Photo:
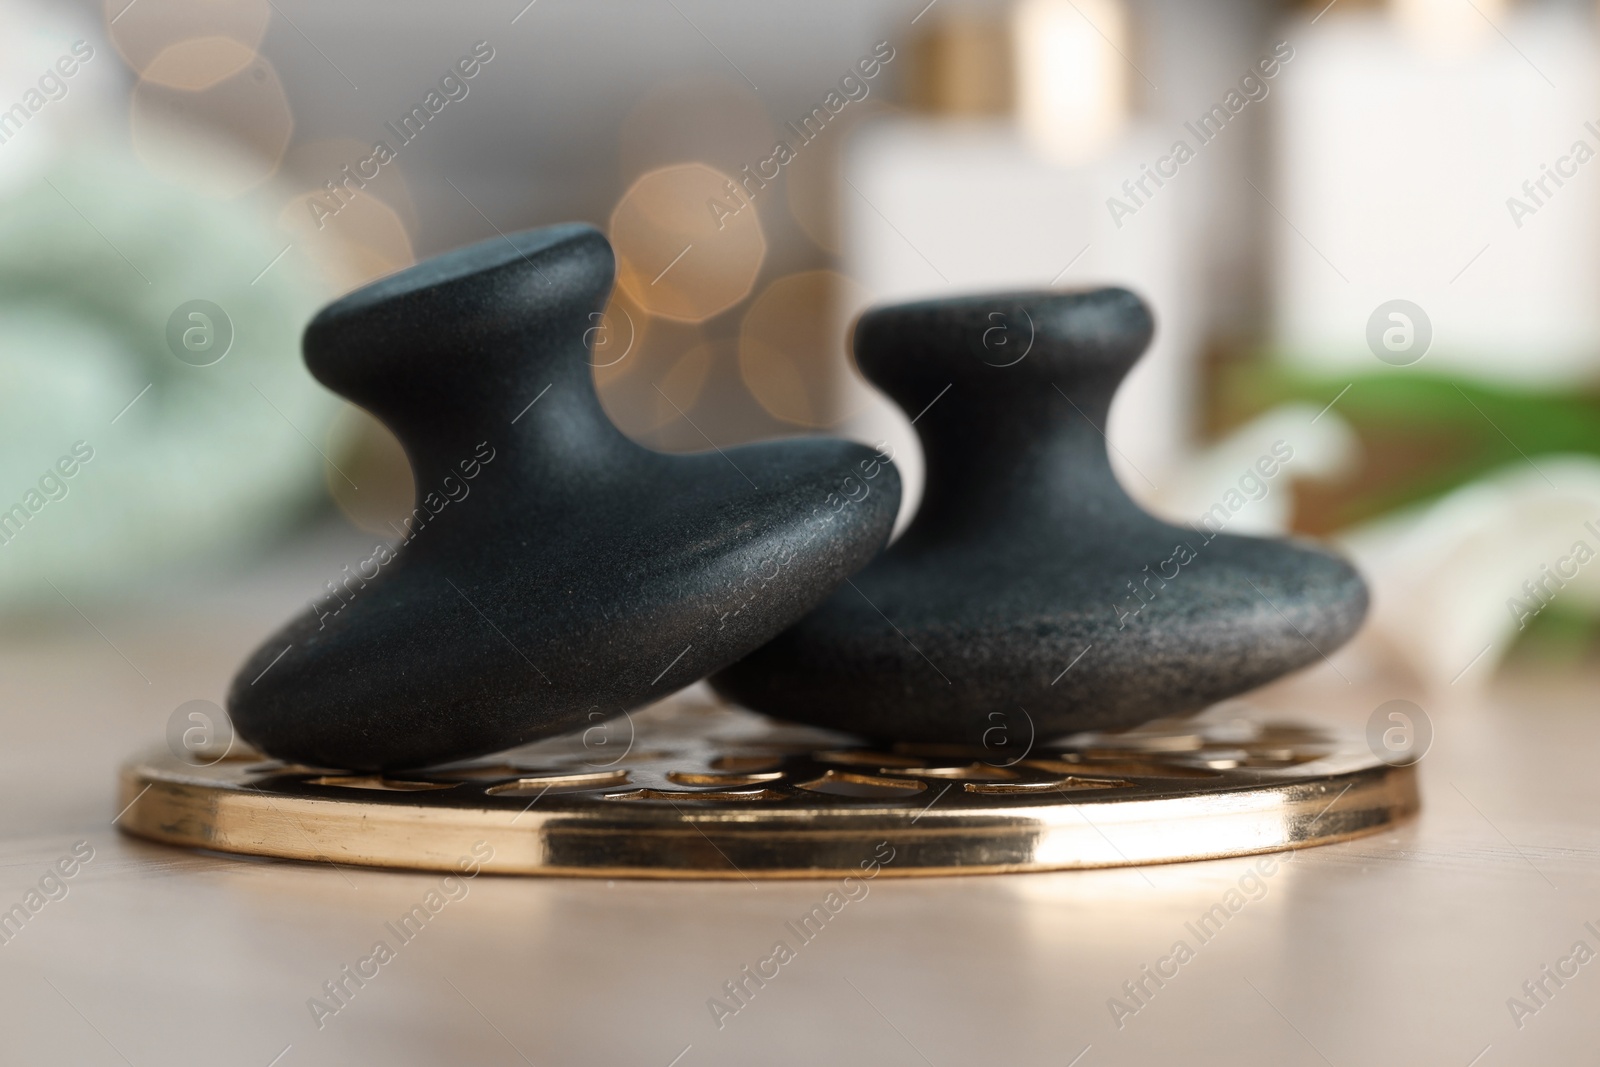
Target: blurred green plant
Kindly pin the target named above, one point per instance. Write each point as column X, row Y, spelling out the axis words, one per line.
column 1422, row 434
column 1560, row 636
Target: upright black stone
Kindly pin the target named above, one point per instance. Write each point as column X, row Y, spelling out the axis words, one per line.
column 1031, row 594
column 554, row 572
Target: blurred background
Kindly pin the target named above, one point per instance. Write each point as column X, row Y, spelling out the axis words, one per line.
column 1370, row 233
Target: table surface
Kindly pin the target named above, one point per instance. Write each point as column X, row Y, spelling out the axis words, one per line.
column 1404, row 947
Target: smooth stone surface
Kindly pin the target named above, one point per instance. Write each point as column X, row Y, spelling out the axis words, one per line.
column 1009, row 609
column 555, row 573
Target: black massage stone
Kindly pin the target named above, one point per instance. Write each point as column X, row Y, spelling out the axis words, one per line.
column 554, row 572
column 1030, row 594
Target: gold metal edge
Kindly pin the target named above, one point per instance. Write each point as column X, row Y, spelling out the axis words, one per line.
column 188, row 811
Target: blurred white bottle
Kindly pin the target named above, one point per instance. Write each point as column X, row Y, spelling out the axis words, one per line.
column 1443, row 153
column 1007, row 185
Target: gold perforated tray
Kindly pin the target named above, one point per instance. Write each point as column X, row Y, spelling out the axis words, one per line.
column 685, row 790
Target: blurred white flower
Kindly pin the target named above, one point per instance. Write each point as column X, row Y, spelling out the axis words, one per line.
column 1321, row 446
column 1453, row 580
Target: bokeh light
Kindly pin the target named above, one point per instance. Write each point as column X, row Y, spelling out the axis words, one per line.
column 198, row 63
column 221, row 141
column 617, row 339
column 792, row 353
column 631, row 390
column 182, row 43
column 678, row 390
column 677, row 255
column 310, row 164
column 364, row 239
